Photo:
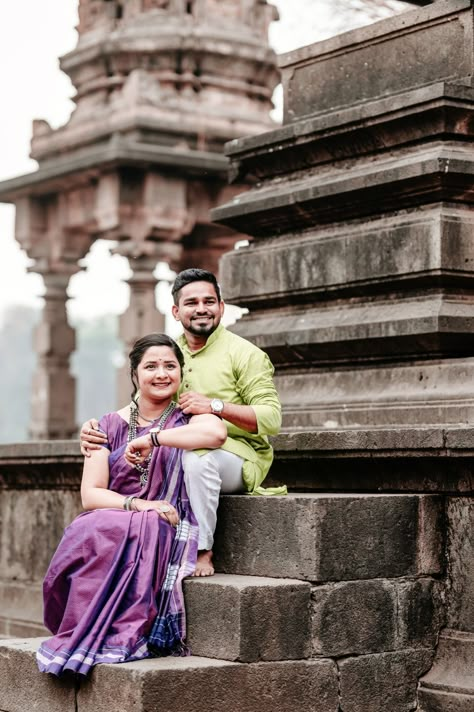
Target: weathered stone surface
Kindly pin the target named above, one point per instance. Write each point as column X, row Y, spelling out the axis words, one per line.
column 449, row 684
column 354, row 618
column 388, row 681
column 401, row 395
column 365, row 318
column 460, row 438
column 352, row 68
column 425, row 177
column 384, row 251
column 23, row 688
column 21, row 609
column 460, row 538
column 203, row 685
column 49, row 512
column 195, row 684
column 453, row 667
column 362, row 617
column 329, row 538
column 439, row 109
column 253, row 618
column 420, row 613
column 376, row 459
column 441, row 701
column 393, row 442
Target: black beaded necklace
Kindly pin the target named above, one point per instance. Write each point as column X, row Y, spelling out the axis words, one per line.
column 132, row 434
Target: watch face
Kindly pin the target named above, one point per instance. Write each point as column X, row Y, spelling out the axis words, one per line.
column 217, row 406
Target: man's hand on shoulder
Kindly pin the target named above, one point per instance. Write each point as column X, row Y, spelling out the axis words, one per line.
column 91, row 437
column 195, row 403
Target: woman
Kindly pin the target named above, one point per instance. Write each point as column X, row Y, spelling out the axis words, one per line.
column 113, row 590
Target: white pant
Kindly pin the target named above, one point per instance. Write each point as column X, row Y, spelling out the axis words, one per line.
column 206, row 476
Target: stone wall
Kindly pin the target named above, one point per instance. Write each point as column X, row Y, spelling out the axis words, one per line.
column 352, row 585
column 39, row 497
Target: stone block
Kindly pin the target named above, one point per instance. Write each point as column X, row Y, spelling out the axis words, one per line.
column 49, row 512
column 363, row 617
column 21, row 609
column 443, row 701
column 355, row 442
column 440, row 109
column 420, row 613
column 189, row 684
column 382, row 251
column 460, row 539
column 383, row 396
column 24, row 689
column 419, row 47
column 253, row 618
column 375, row 459
column 201, row 685
column 386, row 681
column 460, row 438
column 449, row 685
column 323, row 538
column 354, row 618
column 453, row 667
column 439, row 173
column 386, row 329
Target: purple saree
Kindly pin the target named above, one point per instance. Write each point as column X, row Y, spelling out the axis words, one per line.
column 113, row 590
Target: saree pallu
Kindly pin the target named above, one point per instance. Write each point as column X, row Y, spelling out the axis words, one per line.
column 113, row 590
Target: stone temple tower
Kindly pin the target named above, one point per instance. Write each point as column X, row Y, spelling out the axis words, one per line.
column 161, row 86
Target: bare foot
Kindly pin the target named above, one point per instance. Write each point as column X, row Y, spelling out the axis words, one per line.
column 204, row 565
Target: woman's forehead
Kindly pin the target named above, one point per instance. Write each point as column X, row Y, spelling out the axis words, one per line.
column 159, row 353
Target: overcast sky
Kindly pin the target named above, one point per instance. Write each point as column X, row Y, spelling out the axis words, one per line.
column 33, row 34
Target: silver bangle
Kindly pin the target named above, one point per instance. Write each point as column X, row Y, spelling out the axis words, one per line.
column 127, row 502
column 154, row 433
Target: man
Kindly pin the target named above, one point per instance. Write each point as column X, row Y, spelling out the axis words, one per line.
column 226, row 375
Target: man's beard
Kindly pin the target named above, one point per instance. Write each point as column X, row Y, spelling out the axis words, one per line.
column 203, row 329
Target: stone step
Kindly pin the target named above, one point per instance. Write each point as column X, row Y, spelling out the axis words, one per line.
column 191, row 684
column 21, row 609
column 254, row 617
column 248, row 618
column 449, row 685
column 336, row 537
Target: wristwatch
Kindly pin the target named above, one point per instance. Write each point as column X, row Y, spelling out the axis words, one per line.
column 217, row 406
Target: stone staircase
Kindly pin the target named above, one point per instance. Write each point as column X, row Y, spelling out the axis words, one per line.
column 322, row 603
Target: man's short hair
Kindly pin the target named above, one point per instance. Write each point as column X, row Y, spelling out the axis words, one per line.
column 194, row 274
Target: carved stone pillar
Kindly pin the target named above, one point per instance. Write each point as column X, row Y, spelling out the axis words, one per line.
column 161, row 86
column 54, row 231
column 53, row 394
column 142, row 316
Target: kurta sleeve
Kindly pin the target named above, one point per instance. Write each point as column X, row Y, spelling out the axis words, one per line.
column 254, row 380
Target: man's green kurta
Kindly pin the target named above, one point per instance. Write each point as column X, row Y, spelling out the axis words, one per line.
column 236, row 371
